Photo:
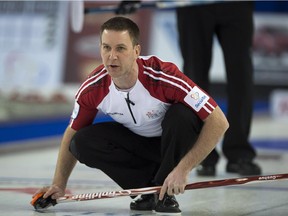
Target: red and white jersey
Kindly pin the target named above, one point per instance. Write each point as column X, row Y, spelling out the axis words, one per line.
column 142, row 108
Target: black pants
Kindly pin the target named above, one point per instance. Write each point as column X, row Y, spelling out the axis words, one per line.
column 232, row 23
column 134, row 161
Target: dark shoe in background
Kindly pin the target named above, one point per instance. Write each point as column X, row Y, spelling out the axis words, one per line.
column 243, row 168
column 206, row 170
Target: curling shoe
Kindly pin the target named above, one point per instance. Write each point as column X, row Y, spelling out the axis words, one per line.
column 145, row 202
column 206, row 170
column 167, row 206
column 243, row 168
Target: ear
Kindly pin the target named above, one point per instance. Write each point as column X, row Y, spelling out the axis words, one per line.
column 137, row 49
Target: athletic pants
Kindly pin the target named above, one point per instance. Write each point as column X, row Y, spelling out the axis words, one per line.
column 134, row 161
column 232, row 23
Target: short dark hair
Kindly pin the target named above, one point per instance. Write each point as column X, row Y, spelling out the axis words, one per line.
column 119, row 23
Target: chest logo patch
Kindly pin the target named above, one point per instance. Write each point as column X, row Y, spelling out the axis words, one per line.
column 153, row 114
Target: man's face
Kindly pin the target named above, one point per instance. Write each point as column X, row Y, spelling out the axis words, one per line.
column 117, row 52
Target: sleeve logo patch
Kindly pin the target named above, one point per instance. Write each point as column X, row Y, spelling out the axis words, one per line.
column 75, row 110
column 196, row 98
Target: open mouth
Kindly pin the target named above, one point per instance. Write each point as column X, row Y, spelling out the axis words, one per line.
column 113, row 66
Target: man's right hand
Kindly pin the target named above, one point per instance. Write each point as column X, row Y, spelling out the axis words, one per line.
column 54, row 191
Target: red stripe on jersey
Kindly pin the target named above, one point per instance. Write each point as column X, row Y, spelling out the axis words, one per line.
column 173, row 80
column 168, row 77
column 173, row 85
column 89, row 95
column 207, row 109
column 93, row 77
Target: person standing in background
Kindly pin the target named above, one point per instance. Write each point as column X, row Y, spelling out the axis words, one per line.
column 232, row 23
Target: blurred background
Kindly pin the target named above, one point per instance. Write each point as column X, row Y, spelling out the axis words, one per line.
column 43, row 62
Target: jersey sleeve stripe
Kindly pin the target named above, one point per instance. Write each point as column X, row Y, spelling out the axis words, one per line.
column 209, row 104
column 207, row 110
column 90, row 81
column 167, row 81
column 167, row 75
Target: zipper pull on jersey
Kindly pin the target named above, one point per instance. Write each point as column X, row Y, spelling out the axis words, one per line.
column 128, row 101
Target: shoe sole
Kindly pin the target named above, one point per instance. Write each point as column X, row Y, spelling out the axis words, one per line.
column 140, row 212
column 166, row 213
